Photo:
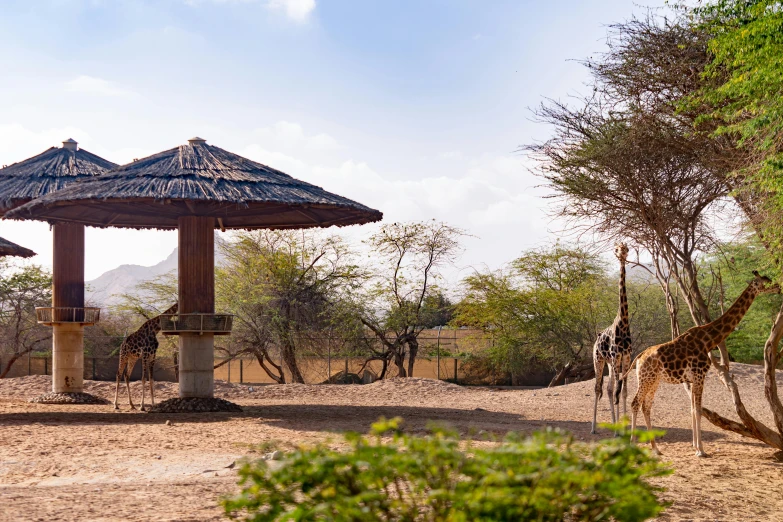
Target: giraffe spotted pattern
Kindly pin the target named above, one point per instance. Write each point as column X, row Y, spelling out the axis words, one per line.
column 613, row 348
column 685, row 360
column 141, row 344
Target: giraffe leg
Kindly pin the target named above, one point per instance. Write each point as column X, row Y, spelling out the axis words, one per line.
column 143, row 373
column 598, row 363
column 120, row 372
column 696, row 392
column 687, row 387
column 131, row 364
column 646, row 409
column 626, row 366
column 635, row 403
column 151, row 380
column 610, row 387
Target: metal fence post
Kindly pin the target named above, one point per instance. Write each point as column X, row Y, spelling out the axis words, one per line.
column 456, row 381
column 229, row 370
column 240, row 371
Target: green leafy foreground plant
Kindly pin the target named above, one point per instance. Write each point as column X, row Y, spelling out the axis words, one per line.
column 544, row 477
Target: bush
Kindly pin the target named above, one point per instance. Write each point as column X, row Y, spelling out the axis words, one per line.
column 544, row 477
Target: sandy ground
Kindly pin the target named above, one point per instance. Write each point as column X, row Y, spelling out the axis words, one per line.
column 91, row 463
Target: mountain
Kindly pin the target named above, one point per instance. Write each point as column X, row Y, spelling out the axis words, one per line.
column 104, row 289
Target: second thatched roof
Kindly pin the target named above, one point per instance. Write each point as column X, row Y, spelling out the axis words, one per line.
column 47, row 172
column 196, row 179
column 8, row 248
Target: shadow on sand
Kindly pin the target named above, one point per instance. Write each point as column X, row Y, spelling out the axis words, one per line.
column 336, row 419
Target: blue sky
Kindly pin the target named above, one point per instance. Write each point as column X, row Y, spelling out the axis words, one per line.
column 413, row 107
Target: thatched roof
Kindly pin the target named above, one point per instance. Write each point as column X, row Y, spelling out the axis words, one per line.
column 51, row 170
column 196, row 179
column 7, row 248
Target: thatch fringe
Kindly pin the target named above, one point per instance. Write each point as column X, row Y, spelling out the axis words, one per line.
column 8, row 248
column 194, row 177
column 47, row 172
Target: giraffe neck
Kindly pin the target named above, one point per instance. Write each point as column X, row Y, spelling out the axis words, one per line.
column 622, row 313
column 719, row 329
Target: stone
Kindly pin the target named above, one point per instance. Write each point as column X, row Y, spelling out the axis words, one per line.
column 195, row 405
column 68, row 398
column 276, row 455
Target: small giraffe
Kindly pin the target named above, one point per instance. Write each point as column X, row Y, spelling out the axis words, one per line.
column 141, row 344
column 685, row 360
column 613, row 347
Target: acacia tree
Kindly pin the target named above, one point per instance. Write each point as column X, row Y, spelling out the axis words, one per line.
column 409, row 257
column 740, row 100
column 21, row 290
column 286, row 288
column 547, row 308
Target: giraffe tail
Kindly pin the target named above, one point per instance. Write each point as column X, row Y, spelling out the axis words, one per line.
column 621, row 379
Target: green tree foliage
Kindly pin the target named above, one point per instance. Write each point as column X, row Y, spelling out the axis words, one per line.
column 741, row 98
column 726, row 275
column 404, row 296
column 549, row 305
column 289, row 290
column 545, row 477
column 21, row 290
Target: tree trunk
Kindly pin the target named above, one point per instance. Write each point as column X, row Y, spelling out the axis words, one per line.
column 399, row 360
column 15, row 357
column 413, row 349
column 289, row 357
column 750, row 427
column 279, row 378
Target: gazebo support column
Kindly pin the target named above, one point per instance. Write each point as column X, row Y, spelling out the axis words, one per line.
column 196, row 295
column 68, row 291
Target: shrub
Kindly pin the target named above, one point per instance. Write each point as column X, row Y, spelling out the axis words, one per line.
column 544, row 477
column 547, row 476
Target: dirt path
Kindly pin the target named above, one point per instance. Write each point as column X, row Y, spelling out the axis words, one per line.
column 91, row 463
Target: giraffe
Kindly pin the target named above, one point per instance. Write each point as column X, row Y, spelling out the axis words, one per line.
column 613, row 347
column 685, row 360
column 141, row 344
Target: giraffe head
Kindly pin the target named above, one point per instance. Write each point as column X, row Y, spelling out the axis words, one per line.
column 621, row 251
column 763, row 284
column 173, row 309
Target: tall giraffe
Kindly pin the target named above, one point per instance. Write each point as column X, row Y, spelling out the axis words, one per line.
column 141, row 344
column 613, row 347
column 685, row 360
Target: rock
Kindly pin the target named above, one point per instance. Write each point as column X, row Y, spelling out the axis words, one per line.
column 168, row 423
column 158, row 457
column 276, row 455
column 195, row 405
column 68, row 398
column 249, row 388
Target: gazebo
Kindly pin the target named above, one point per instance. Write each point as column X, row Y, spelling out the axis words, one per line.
column 8, row 248
column 50, row 171
column 195, row 189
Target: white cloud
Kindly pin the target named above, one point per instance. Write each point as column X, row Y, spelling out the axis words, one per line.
column 92, row 85
column 297, row 10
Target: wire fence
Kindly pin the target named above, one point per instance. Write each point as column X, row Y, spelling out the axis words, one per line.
column 444, row 354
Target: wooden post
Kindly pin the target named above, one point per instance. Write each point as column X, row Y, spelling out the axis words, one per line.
column 68, row 292
column 455, row 371
column 240, row 371
column 196, row 295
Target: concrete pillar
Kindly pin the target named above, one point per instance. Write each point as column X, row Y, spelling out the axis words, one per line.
column 68, row 292
column 196, row 295
column 68, row 358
